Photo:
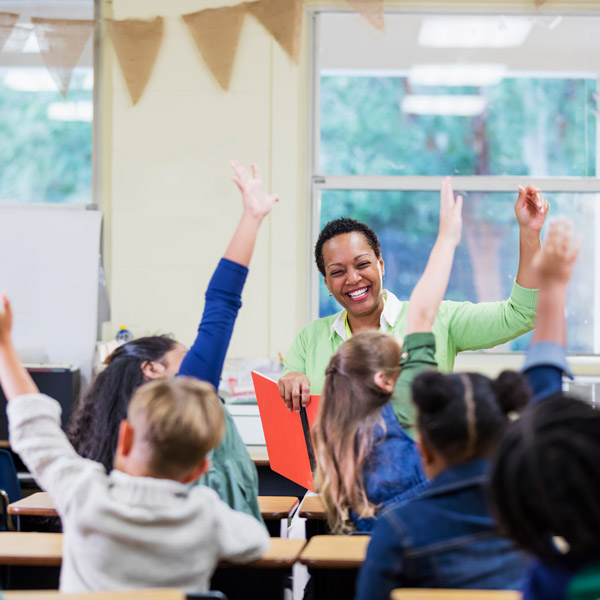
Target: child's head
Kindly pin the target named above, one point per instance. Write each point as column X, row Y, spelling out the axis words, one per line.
column 546, row 479
column 459, row 416
column 359, row 381
column 171, row 425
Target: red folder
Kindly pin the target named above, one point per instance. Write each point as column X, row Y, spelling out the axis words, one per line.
column 284, row 433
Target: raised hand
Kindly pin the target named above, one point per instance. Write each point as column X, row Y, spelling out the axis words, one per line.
column 554, row 263
column 450, row 214
column 257, row 202
column 531, row 208
column 6, row 318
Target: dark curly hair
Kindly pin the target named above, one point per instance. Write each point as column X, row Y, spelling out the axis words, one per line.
column 545, row 480
column 338, row 227
column 461, row 415
column 94, row 426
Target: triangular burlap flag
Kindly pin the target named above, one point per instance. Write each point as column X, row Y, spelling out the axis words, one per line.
column 136, row 43
column 371, row 10
column 283, row 20
column 539, row 3
column 216, row 32
column 7, row 23
column 61, row 43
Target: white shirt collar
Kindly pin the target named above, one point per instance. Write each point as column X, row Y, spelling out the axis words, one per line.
column 389, row 316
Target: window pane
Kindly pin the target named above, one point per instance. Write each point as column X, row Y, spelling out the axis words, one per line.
column 486, row 95
column 487, row 259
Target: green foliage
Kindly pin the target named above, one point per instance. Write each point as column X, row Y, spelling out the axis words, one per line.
column 43, row 160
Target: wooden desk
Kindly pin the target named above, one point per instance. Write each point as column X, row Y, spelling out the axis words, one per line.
column 30, row 549
column 150, row 594
column 272, row 508
column 282, row 552
column 333, row 562
column 37, row 505
column 422, row 594
column 259, row 456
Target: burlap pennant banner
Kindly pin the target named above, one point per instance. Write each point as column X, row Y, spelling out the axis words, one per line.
column 61, row 43
column 7, row 24
column 371, row 10
column 539, row 3
column 216, row 32
column 136, row 43
column 283, row 20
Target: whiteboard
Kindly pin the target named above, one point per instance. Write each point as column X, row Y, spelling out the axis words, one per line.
column 49, row 270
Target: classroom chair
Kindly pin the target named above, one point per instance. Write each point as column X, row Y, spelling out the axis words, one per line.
column 10, row 488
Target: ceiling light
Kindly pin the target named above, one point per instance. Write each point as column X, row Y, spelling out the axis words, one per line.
column 457, row 75
column 71, row 111
column 457, row 106
column 474, row 32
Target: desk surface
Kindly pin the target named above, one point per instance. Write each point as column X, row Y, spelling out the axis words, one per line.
column 41, row 505
column 45, row 549
column 259, row 455
column 312, row 508
column 335, row 551
column 150, row 594
column 408, row 594
column 276, row 507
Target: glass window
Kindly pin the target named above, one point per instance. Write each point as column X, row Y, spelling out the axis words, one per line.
column 45, row 139
column 495, row 101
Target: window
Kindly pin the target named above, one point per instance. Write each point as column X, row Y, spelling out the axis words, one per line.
column 45, row 139
column 495, row 101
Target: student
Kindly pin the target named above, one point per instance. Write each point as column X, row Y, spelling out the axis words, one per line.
column 94, row 426
column 142, row 525
column 446, row 537
column 365, row 460
column 349, row 257
column 549, row 457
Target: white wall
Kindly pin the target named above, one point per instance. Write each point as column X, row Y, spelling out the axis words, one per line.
column 167, row 193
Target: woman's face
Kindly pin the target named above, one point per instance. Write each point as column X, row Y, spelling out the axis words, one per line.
column 353, row 274
column 172, row 360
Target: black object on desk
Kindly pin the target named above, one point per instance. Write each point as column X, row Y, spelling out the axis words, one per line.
column 61, row 382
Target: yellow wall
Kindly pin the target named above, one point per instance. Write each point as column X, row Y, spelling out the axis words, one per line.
column 167, row 193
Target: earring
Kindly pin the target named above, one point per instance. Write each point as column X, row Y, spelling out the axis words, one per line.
column 330, row 295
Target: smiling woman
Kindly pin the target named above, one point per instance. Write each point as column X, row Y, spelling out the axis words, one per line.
column 348, row 256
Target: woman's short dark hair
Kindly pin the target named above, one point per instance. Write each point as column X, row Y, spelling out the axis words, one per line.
column 94, row 426
column 461, row 415
column 545, row 479
column 338, row 227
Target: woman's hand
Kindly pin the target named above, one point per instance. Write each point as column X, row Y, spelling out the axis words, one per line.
column 450, row 214
column 294, row 388
column 531, row 208
column 257, row 203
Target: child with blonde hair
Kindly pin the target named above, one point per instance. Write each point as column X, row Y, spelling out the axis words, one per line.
column 142, row 525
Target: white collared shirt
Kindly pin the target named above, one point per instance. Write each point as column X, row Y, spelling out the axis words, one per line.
column 389, row 315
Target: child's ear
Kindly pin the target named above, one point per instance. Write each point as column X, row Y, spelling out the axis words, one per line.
column 152, row 369
column 200, row 469
column 125, row 440
column 384, row 381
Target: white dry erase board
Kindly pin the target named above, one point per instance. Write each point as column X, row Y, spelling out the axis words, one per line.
column 49, row 270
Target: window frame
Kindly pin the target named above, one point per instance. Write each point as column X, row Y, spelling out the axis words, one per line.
column 319, row 182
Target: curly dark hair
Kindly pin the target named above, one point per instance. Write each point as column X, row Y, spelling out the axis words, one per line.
column 545, row 479
column 338, row 227
column 94, row 426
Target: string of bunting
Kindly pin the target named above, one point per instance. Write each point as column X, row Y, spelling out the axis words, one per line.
column 215, row 32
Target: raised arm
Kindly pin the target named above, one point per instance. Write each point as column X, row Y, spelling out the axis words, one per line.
column 531, row 209
column 431, row 287
column 223, row 295
column 257, row 205
column 14, row 377
column 546, row 357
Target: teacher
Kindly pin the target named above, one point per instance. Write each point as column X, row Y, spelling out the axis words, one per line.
column 348, row 255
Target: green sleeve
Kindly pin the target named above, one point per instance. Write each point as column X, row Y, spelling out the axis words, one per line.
column 487, row 324
column 418, row 355
column 295, row 359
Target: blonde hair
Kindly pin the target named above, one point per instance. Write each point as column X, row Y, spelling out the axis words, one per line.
column 350, row 409
column 181, row 419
